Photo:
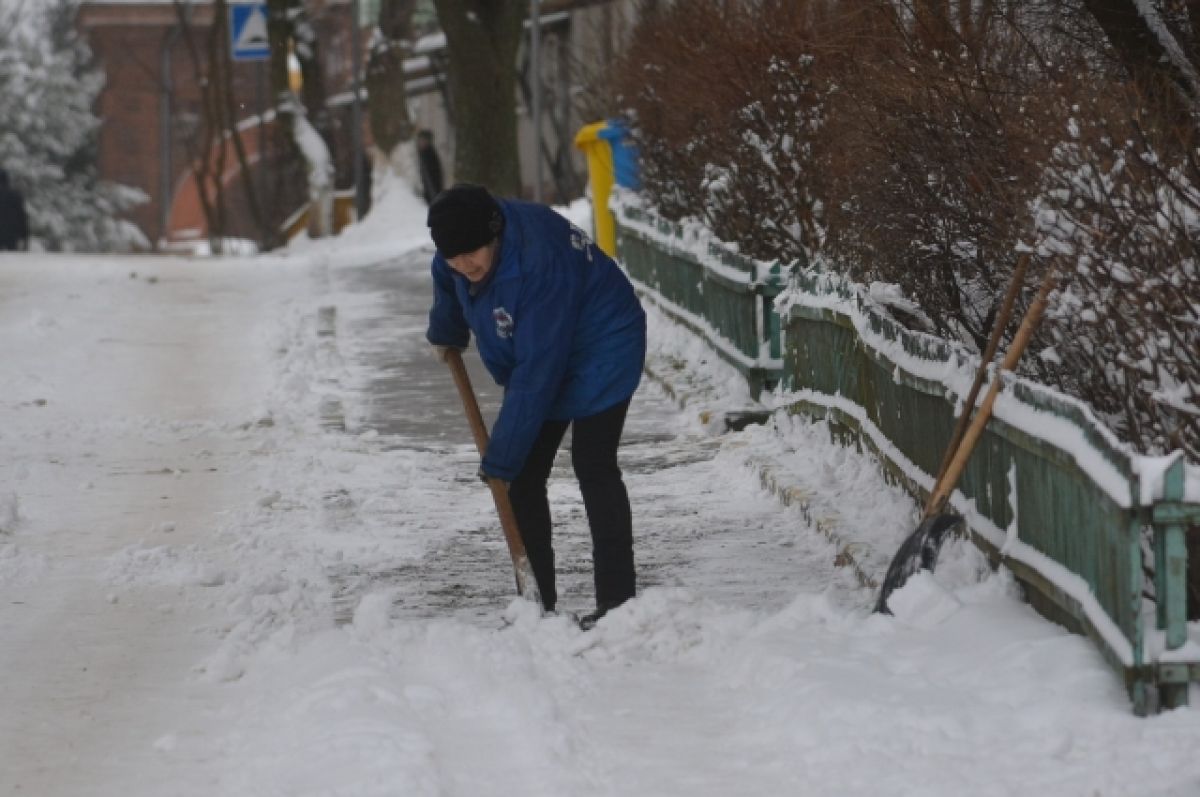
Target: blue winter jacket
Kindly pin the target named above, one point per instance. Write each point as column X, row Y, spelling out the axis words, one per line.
column 557, row 324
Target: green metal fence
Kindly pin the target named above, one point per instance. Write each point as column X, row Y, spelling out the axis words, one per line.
column 718, row 293
column 1081, row 517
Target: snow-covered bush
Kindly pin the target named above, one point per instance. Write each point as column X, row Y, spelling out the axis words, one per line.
column 731, row 125
column 941, row 146
column 893, row 148
column 48, row 134
column 1120, row 213
column 906, row 142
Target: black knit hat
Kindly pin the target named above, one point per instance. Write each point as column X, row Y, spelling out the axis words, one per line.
column 464, row 218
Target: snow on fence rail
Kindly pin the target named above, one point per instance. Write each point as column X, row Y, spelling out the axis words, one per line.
column 1049, row 491
column 705, row 285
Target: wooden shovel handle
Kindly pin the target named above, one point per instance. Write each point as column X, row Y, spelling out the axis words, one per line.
column 999, row 324
column 526, row 585
column 1033, row 316
column 462, row 381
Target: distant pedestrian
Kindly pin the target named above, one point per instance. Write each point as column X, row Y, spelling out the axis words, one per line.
column 14, row 224
column 362, row 196
column 430, row 165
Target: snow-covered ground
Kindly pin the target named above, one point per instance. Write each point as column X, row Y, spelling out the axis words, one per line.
column 243, row 552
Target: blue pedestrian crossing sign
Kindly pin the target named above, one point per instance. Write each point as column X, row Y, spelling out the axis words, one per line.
column 248, row 32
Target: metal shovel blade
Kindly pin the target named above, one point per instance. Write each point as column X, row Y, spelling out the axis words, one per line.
column 919, row 552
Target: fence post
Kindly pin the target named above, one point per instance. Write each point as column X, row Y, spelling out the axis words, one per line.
column 1143, row 687
column 1170, row 577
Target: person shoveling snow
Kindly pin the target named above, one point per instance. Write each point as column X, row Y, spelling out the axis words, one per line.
column 559, row 327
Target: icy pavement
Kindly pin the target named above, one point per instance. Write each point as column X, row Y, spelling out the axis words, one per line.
column 695, row 528
column 127, row 424
column 243, row 552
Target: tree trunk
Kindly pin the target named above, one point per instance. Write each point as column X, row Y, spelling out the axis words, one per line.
column 200, row 145
column 307, row 49
column 1168, row 84
column 308, row 140
column 390, row 124
column 483, row 37
column 279, row 32
column 266, row 236
column 387, row 107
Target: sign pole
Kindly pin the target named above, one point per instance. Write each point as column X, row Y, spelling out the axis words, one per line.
column 356, row 59
column 535, row 90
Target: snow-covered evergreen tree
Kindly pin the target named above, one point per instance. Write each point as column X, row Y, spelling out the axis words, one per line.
column 48, row 131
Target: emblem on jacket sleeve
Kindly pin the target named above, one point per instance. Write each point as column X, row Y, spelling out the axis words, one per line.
column 504, row 322
column 581, row 241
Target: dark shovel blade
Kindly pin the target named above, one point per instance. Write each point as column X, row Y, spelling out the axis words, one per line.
column 919, row 552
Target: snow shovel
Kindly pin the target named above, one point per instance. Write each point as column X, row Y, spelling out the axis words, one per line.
column 999, row 324
column 920, row 549
column 526, row 583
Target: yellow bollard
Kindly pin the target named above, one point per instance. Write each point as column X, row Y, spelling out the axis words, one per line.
column 600, row 173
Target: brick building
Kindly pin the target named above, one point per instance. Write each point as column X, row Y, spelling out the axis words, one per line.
column 151, row 106
column 151, row 103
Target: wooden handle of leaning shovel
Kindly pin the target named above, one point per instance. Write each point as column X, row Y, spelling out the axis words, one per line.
column 526, row 584
column 999, row 324
column 1033, row 316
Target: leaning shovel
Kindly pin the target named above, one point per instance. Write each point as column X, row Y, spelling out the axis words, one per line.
column 920, row 549
column 526, row 583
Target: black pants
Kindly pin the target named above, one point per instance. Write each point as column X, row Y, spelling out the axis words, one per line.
column 594, row 442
